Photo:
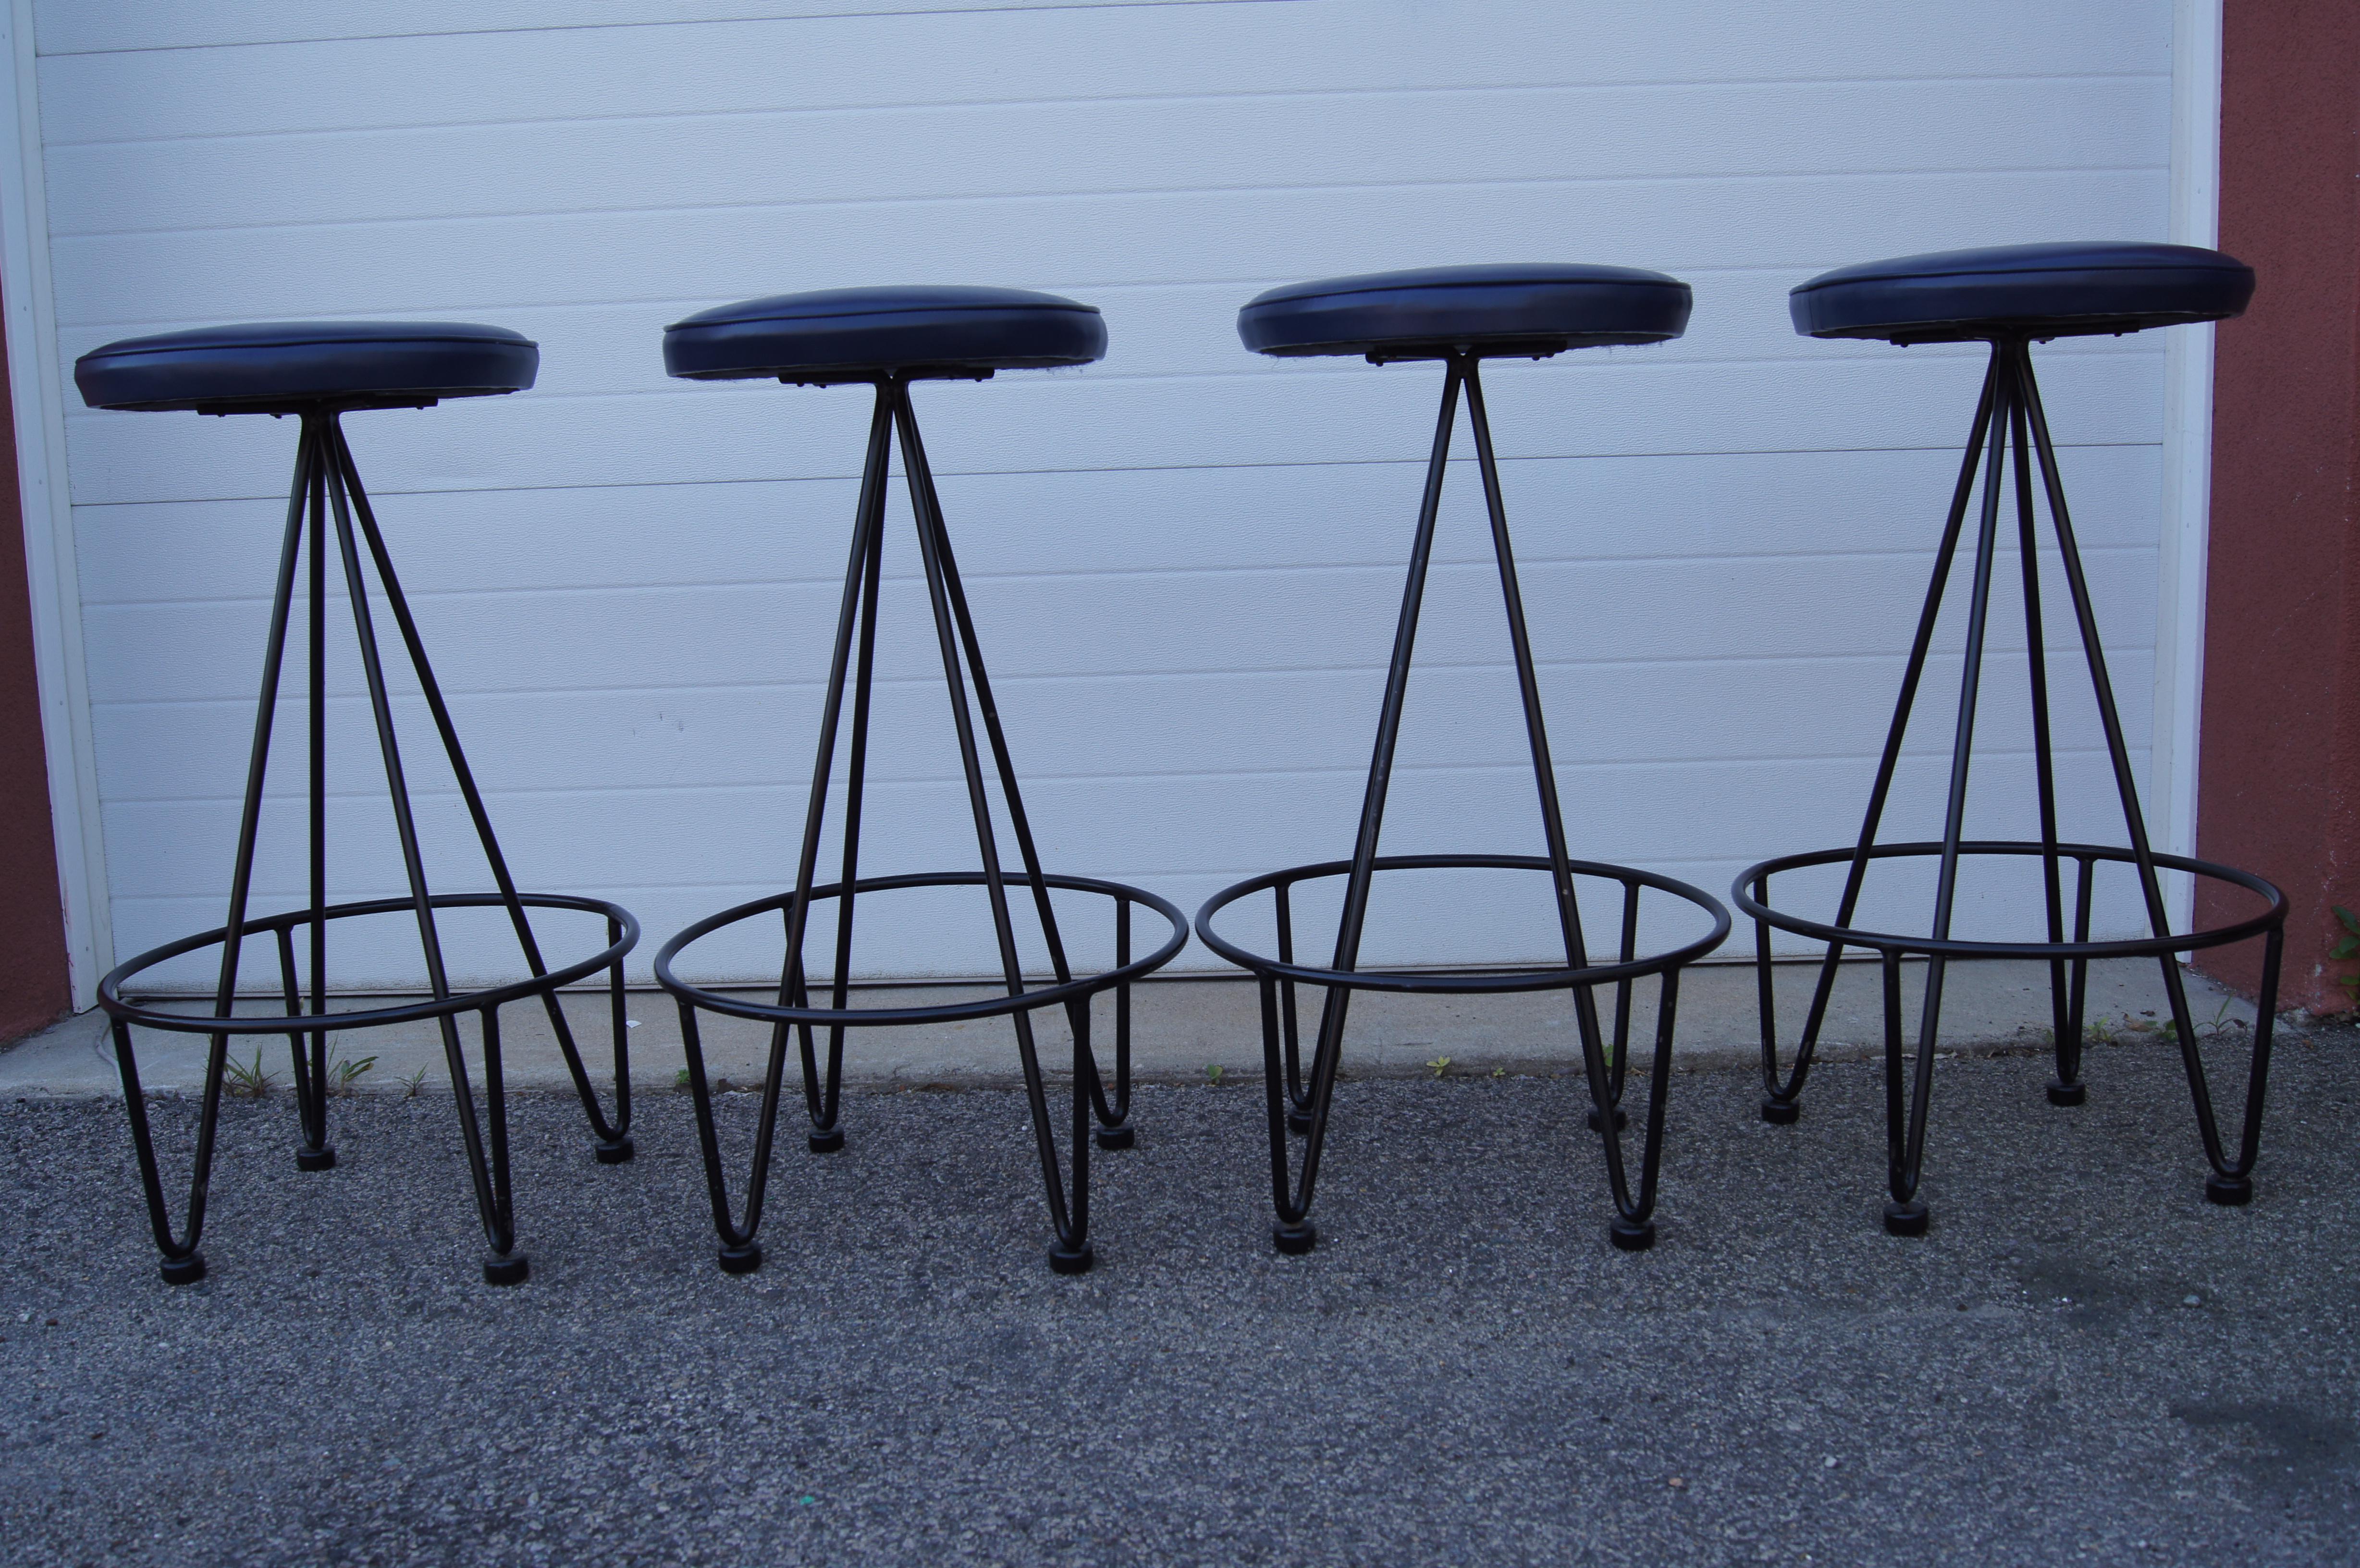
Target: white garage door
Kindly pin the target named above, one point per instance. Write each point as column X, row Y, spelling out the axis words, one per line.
column 1184, row 560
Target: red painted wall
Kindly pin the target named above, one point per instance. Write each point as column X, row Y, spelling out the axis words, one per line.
column 2279, row 760
column 34, row 989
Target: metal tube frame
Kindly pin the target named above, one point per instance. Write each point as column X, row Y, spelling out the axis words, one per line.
column 327, row 497
column 2010, row 429
column 893, row 418
column 1296, row 1107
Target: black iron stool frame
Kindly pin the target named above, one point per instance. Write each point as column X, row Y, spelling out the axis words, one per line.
column 955, row 629
column 1296, row 1108
column 326, row 479
column 2009, row 417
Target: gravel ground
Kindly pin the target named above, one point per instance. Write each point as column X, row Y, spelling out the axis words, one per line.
column 2083, row 1360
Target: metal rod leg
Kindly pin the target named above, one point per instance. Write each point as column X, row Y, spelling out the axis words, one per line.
column 312, row 1056
column 1780, row 1103
column 827, row 1131
column 182, row 1264
column 613, row 1144
column 2066, row 1088
column 504, row 1260
column 1068, row 1214
column 1905, row 1213
column 1294, row 1233
column 2232, row 1179
column 820, row 1099
column 1077, row 1011
column 1603, row 1089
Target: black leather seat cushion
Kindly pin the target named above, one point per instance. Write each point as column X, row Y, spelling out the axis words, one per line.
column 269, row 364
column 1538, row 307
column 2038, row 290
column 855, row 334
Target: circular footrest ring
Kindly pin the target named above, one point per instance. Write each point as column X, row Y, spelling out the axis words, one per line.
column 1074, row 989
column 110, row 989
column 2088, row 855
column 1462, row 982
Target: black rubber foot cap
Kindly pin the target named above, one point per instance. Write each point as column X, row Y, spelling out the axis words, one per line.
column 741, row 1259
column 1631, row 1235
column 315, row 1160
column 2230, row 1191
column 1298, row 1121
column 182, row 1270
column 1782, row 1113
column 1293, row 1240
column 1596, row 1125
column 617, row 1152
column 1076, row 1260
column 828, row 1142
column 1117, row 1136
column 2061, row 1093
column 1905, row 1219
column 511, row 1269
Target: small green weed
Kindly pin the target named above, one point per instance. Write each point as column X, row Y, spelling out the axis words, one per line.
column 249, row 1080
column 1440, row 1064
column 411, row 1085
column 2212, row 1026
column 345, row 1072
column 2346, row 947
column 1213, row 1073
column 680, row 1082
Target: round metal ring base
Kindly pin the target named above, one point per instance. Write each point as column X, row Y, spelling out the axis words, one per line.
column 182, row 1270
column 741, row 1259
column 1898, row 944
column 2230, row 1191
column 995, row 1007
column 828, row 1142
column 1631, row 1236
column 1072, row 1261
column 1905, row 1219
column 1465, row 983
column 615, row 1151
column 1121, row 1135
column 315, row 1160
column 1295, row 1240
column 508, row 1268
column 2061, row 1093
column 1781, row 1113
column 1597, row 1123
column 110, row 988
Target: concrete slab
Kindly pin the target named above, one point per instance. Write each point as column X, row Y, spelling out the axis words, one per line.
column 1182, row 1030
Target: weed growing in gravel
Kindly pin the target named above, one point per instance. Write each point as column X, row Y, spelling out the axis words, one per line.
column 1440, row 1064
column 2216, row 1024
column 411, row 1085
column 344, row 1073
column 2346, row 948
column 1213, row 1073
column 250, row 1080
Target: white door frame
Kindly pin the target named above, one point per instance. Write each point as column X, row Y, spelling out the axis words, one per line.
column 2187, row 449
column 37, row 392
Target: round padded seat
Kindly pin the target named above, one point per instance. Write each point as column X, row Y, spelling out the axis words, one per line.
column 275, row 365
column 857, row 334
column 2034, row 291
column 1537, row 309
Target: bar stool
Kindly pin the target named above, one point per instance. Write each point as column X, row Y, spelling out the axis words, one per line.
column 318, row 372
column 2012, row 296
column 888, row 339
column 1462, row 316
